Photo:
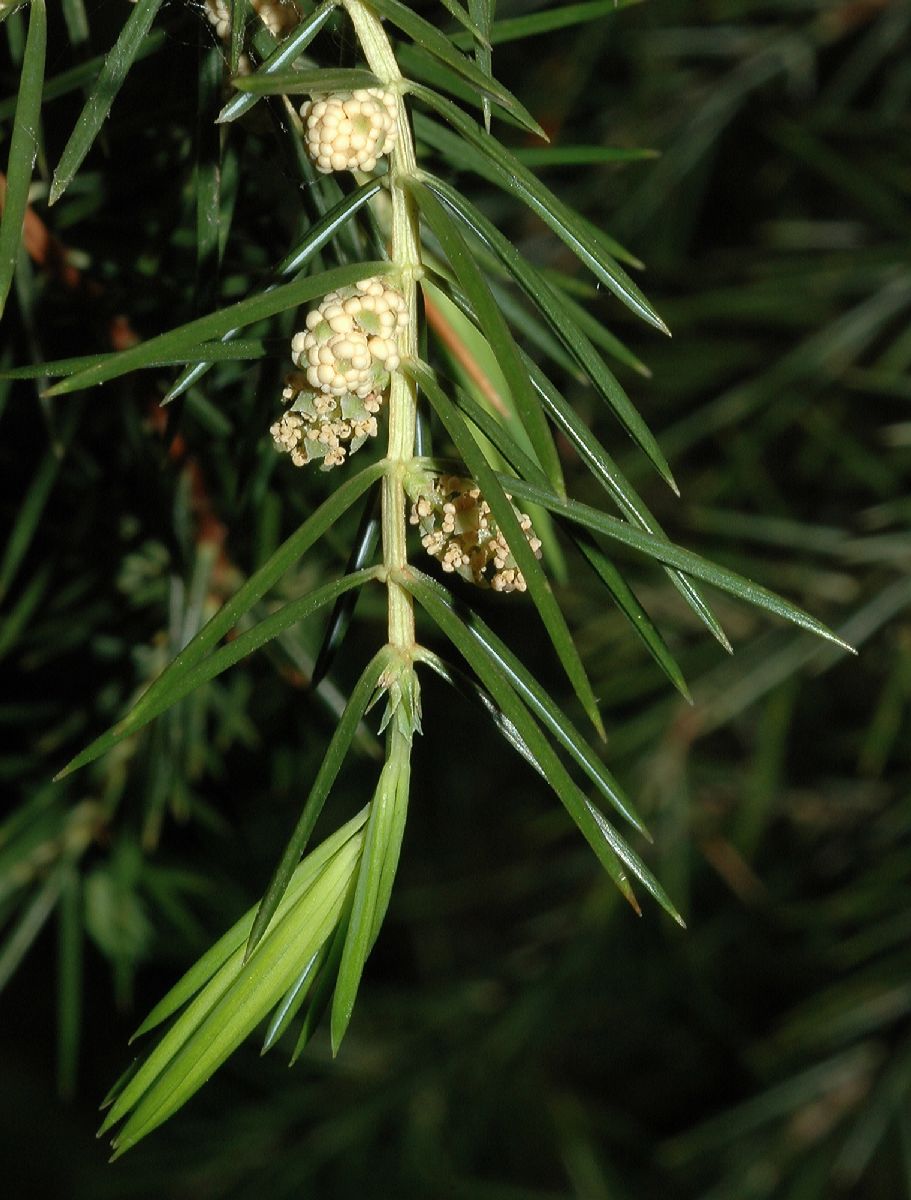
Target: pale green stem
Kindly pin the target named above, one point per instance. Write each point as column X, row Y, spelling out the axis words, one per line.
column 406, row 254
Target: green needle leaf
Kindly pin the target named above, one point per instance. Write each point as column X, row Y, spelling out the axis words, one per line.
column 238, row 23
column 23, row 147
column 512, row 29
column 550, row 714
column 119, row 1084
column 215, row 1024
column 233, row 940
column 295, row 996
column 472, row 691
column 417, row 64
column 459, row 14
column 612, row 578
column 116, row 66
column 31, row 597
column 608, row 474
column 192, row 676
column 331, row 765
column 30, row 923
column 317, row 236
column 592, row 327
column 482, row 12
column 172, row 679
column 551, row 305
column 290, row 49
column 515, row 178
column 579, row 156
column 76, row 77
column 244, row 350
column 318, row 1001
column 607, row 844
column 495, row 329
column 326, row 228
column 366, row 540
column 436, row 43
column 264, row 631
column 667, row 552
column 306, row 82
column 538, row 585
column 463, row 155
column 245, row 312
column 382, row 845
column 628, row 603
column 541, row 704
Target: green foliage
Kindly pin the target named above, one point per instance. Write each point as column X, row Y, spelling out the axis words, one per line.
column 23, row 147
column 110, row 80
column 189, row 544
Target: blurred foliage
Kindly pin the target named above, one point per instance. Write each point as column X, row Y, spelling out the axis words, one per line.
column 522, row 1036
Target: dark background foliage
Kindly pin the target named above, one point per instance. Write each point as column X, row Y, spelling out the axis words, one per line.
column 521, row 1035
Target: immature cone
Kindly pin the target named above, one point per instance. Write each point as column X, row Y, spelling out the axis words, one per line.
column 346, row 355
column 279, row 16
column 349, row 131
column 219, row 15
column 350, row 344
column 461, row 532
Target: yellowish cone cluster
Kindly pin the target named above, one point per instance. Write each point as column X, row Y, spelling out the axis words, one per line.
column 346, row 354
column 349, row 131
column 460, row 531
column 219, row 15
column 351, row 341
column 278, row 16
